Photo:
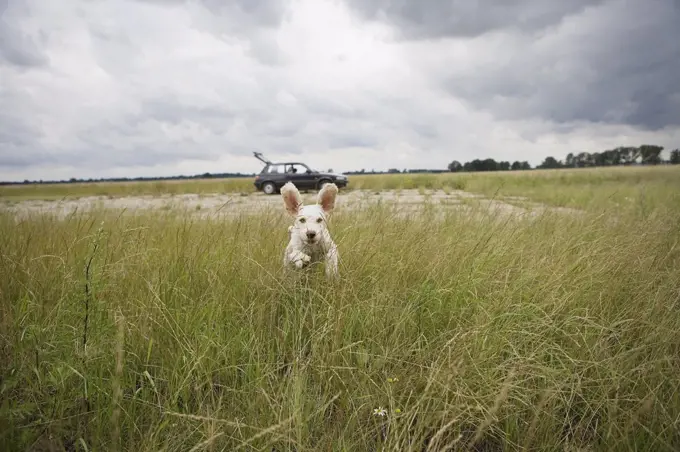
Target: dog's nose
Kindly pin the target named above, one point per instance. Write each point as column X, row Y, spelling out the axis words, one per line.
column 311, row 234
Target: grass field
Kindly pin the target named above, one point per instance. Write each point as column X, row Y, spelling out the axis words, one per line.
column 160, row 331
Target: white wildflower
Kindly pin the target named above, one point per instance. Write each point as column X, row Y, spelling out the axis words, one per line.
column 380, row 411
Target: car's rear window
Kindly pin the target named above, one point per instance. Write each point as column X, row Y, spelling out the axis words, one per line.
column 273, row 169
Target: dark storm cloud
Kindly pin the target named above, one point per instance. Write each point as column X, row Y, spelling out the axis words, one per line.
column 619, row 63
column 614, row 62
column 575, row 61
column 422, row 19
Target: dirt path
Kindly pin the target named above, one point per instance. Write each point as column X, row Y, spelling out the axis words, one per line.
column 404, row 202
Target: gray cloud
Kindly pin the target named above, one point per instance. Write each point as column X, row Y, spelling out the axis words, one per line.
column 246, row 13
column 617, row 63
column 19, row 136
column 424, row 19
column 268, row 13
column 250, row 20
column 16, row 47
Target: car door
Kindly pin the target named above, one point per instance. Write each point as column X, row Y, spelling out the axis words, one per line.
column 311, row 177
column 300, row 177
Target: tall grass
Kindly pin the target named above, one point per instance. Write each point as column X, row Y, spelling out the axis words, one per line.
column 553, row 334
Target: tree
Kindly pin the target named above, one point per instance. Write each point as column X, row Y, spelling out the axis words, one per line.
column 583, row 160
column 489, row 165
column 634, row 154
column 550, row 163
column 598, row 159
column 647, row 154
column 627, row 154
column 611, row 157
column 455, row 166
column 675, row 157
column 651, row 154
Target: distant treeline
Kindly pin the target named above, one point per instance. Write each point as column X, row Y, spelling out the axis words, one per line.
column 646, row 154
column 395, row 171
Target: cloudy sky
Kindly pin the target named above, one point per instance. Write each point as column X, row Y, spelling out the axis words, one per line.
column 104, row 88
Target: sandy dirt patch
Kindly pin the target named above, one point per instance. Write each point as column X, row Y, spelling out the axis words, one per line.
column 404, row 202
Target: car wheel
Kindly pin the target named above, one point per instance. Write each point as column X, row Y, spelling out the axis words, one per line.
column 269, row 188
column 323, row 182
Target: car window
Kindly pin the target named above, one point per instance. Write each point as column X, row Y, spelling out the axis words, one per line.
column 274, row 169
column 293, row 168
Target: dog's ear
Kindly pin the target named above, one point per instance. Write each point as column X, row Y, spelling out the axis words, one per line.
column 291, row 198
column 327, row 197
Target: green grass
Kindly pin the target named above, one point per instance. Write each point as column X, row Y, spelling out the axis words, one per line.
column 622, row 188
column 551, row 334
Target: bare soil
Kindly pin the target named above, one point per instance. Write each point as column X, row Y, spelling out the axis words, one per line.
column 404, row 202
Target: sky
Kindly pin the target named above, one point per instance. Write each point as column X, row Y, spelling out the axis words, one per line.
column 113, row 88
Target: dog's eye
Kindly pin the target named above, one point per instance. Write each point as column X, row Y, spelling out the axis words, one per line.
column 302, row 220
column 319, row 220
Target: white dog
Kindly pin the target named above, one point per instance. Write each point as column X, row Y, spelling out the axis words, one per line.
column 310, row 242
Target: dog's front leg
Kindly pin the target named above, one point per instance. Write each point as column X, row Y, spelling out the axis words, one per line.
column 298, row 258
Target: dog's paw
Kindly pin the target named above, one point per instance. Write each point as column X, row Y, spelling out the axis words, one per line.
column 301, row 260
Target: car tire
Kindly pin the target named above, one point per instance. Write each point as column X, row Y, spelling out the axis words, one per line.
column 269, row 188
column 323, row 182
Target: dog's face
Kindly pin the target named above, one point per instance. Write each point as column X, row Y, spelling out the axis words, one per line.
column 309, row 221
column 310, row 224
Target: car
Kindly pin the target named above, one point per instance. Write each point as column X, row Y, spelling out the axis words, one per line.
column 274, row 175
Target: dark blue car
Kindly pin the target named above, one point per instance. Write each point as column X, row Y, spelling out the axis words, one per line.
column 275, row 175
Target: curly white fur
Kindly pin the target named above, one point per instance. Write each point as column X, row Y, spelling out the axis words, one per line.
column 310, row 241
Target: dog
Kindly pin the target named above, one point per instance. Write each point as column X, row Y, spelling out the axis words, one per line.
column 309, row 239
